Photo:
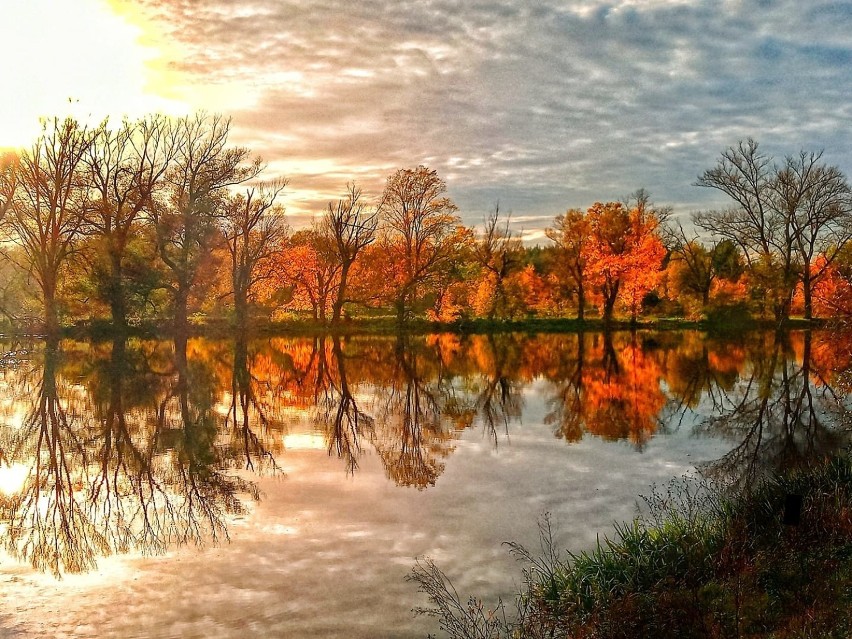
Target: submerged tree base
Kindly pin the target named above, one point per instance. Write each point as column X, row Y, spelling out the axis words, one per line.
column 775, row 562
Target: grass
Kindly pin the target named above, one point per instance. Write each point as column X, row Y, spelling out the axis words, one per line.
column 387, row 325
column 701, row 563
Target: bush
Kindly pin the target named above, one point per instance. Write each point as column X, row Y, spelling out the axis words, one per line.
column 729, row 316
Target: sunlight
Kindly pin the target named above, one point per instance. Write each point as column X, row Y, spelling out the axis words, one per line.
column 12, row 478
column 304, row 441
column 74, row 58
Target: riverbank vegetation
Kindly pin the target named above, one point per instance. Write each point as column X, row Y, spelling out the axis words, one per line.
column 160, row 221
column 774, row 561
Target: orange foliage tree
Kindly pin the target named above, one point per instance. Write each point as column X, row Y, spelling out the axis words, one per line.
column 832, row 292
column 625, row 253
column 309, row 266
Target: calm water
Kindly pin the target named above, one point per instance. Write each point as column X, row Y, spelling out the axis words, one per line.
column 284, row 487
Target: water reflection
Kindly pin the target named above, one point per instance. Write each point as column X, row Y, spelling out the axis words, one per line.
column 143, row 445
column 250, row 414
column 787, row 408
column 607, row 385
column 122, row 449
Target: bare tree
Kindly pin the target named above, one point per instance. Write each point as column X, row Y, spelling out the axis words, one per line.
column 185, row 222
column 352, row 226
column 497, row 252
column 8, row 164
column 819, row 206
column 126, row 166
column 745, row 175
column 253, row 227
column 784, row 216
column 45, row 195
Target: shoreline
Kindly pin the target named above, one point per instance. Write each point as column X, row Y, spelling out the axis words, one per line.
column 389, row 326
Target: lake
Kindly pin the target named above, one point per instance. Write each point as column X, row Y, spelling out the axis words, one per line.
column 285, row 486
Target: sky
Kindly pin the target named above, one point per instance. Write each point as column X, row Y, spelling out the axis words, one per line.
column 539, row 106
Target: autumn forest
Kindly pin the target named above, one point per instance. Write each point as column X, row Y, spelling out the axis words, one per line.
column 162, row 222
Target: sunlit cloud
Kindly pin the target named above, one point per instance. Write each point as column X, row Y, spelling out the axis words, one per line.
column 540, row 106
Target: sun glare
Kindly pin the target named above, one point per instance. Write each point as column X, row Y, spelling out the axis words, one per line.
column 72, row 57
column 13, row 478
column 304, row 441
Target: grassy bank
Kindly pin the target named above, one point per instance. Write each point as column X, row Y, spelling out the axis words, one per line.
column 701, row 564
column 388, row 326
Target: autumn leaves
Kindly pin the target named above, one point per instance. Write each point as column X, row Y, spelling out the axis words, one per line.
column 162, row 222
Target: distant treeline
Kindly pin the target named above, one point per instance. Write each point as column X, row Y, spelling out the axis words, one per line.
column 161, row 220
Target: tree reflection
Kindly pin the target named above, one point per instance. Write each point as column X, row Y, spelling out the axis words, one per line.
column 47, row 521
column 607, row 385
column 248, row 414
column 567, row 410
column 126, row 461
column 782, row 413
column 135, row 445
column 346, row 424
column 699, row 369
column 499, row 400
column 412, row 437
column 188, row 427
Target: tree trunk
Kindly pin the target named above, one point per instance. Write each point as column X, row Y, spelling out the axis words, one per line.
column 581, row 300
column 337, row 308
column 400, row 310
column 241, row 307
column 782, row 307
column 609, row 303
column 51, row 311
column 181, row 308
column 117, row 303
column 807, row 285
column 118, row 310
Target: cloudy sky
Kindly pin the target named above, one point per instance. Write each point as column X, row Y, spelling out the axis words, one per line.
column 540, row 105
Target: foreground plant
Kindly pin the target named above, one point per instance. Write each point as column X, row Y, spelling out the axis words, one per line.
column 700, row 563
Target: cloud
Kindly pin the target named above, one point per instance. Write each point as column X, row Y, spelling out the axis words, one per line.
column 540, row 107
